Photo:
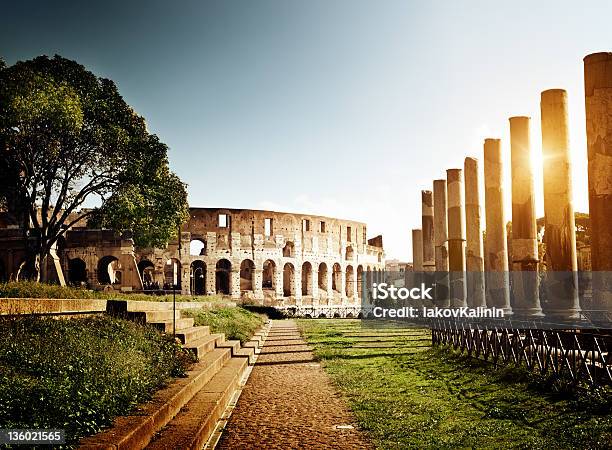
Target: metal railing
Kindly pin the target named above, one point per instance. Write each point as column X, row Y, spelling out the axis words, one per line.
column 576, row 355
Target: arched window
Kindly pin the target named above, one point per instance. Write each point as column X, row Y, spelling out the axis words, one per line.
column 336, row 278
column 147, row 274
column 349, row 281
column 197, row 247
column 108, row 266
column 77, row 272
column 323, row 276
column 247, row 271
column 306, row 278
column 268, row 275
column 349, row 253
column 172, row 274
column 288, row 280
column 288, row 250
column 198, row 278
column 222, row 281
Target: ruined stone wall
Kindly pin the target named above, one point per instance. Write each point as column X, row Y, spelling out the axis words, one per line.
column 263, row 257
column 269, row 257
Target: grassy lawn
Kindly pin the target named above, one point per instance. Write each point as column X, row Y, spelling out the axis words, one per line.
column 78, row 374
column 31, row 289
column 235, row 322
column 406, row 394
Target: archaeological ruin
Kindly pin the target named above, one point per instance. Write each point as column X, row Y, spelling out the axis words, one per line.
column 268, row 258
column 531, row 271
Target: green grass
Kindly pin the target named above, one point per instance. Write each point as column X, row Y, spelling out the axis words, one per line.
column 235, row 322
column 407, row 395
column 32, row 289
column 78, row 374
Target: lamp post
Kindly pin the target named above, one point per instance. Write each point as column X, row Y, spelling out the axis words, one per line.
column 174, row 286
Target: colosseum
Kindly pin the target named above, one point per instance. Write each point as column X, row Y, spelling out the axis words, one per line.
column 303, row 263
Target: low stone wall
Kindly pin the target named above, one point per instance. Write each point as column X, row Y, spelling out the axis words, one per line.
column 68, row 307
column 51, row 306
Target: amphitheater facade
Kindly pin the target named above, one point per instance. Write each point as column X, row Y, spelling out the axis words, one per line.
column 262, row 257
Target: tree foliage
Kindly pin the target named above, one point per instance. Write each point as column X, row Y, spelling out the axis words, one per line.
column 67, row 137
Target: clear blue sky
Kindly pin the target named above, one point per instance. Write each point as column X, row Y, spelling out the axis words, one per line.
column 342, row 108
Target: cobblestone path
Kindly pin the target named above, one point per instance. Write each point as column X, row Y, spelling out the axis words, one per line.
column 289, row 402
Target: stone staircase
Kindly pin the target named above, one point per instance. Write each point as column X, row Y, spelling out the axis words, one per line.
column 184, row 414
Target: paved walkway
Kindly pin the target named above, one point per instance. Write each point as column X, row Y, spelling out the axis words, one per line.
column 289, row 402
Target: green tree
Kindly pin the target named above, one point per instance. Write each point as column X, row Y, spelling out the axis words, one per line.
column 66, row 137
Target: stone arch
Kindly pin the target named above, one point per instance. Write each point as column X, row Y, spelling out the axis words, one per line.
column 147, row 273
column 268, row 276
column 223, row 271
column 337, row 315
column 359, row 281
column 197, row 247
column 336, row 277
column 288, row 280
column 349, row 253
column 349, row 315
column 77, row 272
column 306, row 278
column 322, row 276
column 172, row 274
column 198, row 277
column 289, row 250
column 349, row 281
column 108, row 268
column 247, row 272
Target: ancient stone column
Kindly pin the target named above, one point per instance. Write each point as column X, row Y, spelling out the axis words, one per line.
column 441, row 244
column 297, row 286
column 329, row 281
column 342, row 287
column 496, row 244
column 415, row 278
column 456, row 237
column 211, row 280
column 429, row 263
column 314, row 285
column 474, row 261
column 561, row 277
column 235, row 283
column 525, row 285
column 278, row 283
column 417, row 250
column 598, row 97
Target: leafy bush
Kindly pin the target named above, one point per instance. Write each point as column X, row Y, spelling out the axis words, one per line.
column 78, row 374
column 234, row 322
column 33, row 289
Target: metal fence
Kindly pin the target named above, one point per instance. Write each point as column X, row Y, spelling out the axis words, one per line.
column 576, row 355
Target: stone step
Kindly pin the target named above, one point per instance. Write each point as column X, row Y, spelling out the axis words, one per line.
column 234, row 346
column 205, row 344
column 121, row 306
column 181, row 324
column 192, row 334
column 153, row 315
column 137, row 430
column 247, row 352
column 194, row 424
